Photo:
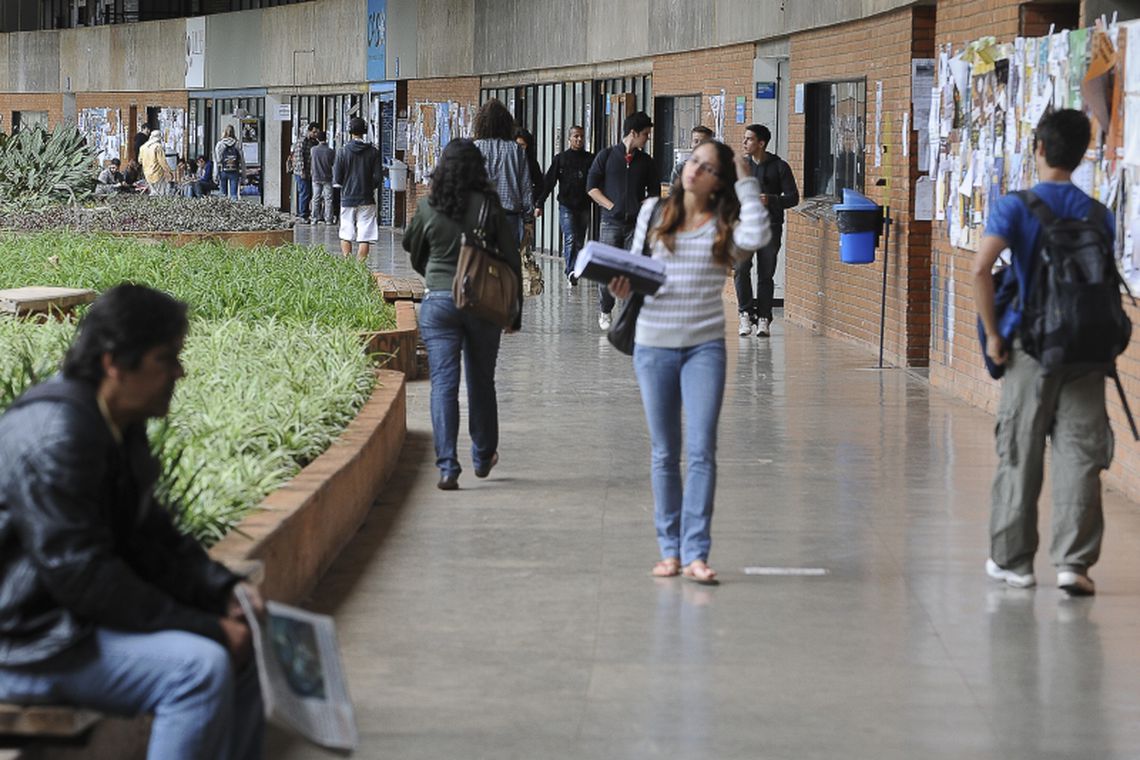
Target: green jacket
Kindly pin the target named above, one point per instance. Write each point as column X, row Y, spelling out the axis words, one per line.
column 432, row 239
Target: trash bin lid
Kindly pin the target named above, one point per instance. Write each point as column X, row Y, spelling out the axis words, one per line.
column 853, row 200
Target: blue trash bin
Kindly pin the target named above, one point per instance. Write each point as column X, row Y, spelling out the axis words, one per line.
column 860, row 221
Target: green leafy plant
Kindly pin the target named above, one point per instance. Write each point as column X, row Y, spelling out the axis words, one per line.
column 292, row 284
column 39, row 168
column 138, row 213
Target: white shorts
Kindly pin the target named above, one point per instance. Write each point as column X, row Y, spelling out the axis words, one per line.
column 358, row 224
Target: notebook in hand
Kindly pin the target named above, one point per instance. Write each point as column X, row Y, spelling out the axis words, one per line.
column 602, row 263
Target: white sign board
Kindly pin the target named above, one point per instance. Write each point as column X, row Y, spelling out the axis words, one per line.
column 195, row 52
column 284, row 112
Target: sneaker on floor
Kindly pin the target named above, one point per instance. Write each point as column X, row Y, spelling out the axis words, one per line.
column 1075, row 584
column 572, row 280
column 745, row 325
column 1009, row 577
column 763, row 328
column 604, row 320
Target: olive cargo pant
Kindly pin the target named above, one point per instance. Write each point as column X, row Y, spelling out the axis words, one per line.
column 1068, row 407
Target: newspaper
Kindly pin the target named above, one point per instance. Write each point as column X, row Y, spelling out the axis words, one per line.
column 302, row 681
column 601, row 263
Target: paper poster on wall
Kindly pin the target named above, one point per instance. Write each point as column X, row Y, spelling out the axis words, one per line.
column 740, row 109
column 924, row 199
column 376, row 40
column 716, row 106
column 195, row 53
column 878, row 123
column 799, row 105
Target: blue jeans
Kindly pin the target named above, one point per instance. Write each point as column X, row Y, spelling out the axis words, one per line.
column 446, row 332
column 672, row 380
column 201, row 708
column 230, row 182
column 574, row 223
column 304, row 196
column 619, row 235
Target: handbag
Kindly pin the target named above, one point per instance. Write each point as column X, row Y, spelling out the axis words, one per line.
column 624, row 328
column 532, row 283
column 484, row 284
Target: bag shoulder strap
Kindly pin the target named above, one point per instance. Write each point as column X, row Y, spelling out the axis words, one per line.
column 653, row 215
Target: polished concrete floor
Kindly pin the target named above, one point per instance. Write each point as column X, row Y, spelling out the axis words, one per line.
column 516, row 617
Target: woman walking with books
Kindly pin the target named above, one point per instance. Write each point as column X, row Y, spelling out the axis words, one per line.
column 710, row 219
column 460, row 191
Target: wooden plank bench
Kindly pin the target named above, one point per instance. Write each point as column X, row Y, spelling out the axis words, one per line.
column 23, row 302
column 399, row 288
column 45, row 721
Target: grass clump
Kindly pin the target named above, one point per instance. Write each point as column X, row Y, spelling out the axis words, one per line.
column 291, row 284
column 260, row 400
column 146, row 213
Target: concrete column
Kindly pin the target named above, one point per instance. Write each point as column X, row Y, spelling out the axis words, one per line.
column 271, row 161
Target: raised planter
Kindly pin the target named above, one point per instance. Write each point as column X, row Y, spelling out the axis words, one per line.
column 242, row 239
column 398, row 344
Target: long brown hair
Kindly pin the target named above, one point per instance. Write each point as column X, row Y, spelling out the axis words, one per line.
column 725, row 207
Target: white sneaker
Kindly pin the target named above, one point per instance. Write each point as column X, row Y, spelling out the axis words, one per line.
column 604, row 321
column 745, row 325
column 1009, row 577
column 1075, row 584
column 764, row 328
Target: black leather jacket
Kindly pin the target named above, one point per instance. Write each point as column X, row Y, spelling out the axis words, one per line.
column 83, row 542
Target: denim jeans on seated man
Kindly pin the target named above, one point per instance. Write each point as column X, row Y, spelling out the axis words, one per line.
column 574, row 223
column 691, row 380
column 201, row 708
column 449, row 332
column 619, row 235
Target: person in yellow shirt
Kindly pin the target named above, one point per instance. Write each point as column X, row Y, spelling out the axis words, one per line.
column 156, row 170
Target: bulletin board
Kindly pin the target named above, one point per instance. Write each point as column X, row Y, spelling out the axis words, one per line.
column 431, row 127
column 104, row 131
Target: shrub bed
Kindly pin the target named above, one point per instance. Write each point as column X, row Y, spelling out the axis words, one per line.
column 275, row 368
column 143, row 213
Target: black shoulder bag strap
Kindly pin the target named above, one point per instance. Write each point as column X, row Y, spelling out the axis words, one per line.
column 624, row 328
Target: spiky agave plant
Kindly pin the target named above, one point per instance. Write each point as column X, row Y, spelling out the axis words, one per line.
column 39, row 168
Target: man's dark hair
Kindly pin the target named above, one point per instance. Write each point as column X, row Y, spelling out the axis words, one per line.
column 126, row 322
column 357, row 127
column 493, row 122
column 115, row 162
column 636, row 122
column 313, row 126
column 763, row 134
column 322, row 136
column 1065, row 135
column 703, row 131
column 578, row 127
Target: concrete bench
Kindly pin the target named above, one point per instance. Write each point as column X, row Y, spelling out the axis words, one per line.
column 30, row 301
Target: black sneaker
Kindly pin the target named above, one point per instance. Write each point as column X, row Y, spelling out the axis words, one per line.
column 448, row 483
column 485, row 470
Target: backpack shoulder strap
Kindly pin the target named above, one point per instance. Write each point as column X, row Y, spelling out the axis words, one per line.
column 1037, row 207
column 1097, row 214
column 653, row 215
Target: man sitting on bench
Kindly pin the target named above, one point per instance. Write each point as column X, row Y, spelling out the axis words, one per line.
column 104, row 604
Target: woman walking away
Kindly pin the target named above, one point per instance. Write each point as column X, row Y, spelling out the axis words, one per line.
column 505, row 161
column 709, row 219
column 459, row 191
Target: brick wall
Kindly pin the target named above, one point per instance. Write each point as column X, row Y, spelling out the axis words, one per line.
column 12, row 102
column 708, row 72
column 464, row 90
column 955, row 363
column 843, row 300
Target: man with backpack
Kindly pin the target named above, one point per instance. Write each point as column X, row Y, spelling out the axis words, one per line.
column 229, row 163
column 1054, row 349
column 778, row 191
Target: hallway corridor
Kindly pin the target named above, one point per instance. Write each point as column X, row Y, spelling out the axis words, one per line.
column 515, row 619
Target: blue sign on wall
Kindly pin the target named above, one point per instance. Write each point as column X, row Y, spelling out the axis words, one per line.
column 377, row 38
column 765, row 90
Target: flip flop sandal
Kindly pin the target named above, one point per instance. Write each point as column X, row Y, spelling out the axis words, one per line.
column 706, row 578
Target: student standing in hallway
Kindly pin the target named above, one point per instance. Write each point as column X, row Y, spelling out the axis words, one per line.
column 778, row 191
column 569, row 170
column 1067, row 406
column 300, row 163
column 358, row 171
column 715, row 216
column 322, row 157
column 621, row 177
column 699, row 135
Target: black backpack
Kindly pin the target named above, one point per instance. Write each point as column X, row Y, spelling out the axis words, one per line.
column 1074, row 314
column 231, row 159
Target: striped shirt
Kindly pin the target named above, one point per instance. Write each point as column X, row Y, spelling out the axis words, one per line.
column 688, row 309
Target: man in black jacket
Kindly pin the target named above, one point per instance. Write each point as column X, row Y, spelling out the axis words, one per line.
column 569, row 170
column 104, row 604
column 358, row 171
column 621, row 177
column 778, row 191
